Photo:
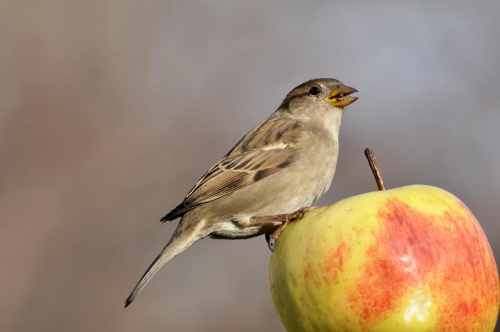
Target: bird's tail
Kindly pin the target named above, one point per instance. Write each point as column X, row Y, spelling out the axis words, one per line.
column 181, row 240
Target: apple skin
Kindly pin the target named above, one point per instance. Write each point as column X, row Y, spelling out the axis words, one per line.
column 407, row 259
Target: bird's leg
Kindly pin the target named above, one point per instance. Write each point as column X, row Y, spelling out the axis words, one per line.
column 276, row 218
column 264, row 220
column 271, row 238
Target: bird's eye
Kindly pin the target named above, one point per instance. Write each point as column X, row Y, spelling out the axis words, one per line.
column 314, row 91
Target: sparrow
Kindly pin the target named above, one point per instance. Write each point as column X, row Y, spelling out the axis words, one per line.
column 281, row 166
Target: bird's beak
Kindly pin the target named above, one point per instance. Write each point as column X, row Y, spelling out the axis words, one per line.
column 339, row 97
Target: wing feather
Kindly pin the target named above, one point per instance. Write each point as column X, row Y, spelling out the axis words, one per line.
column 265, row 150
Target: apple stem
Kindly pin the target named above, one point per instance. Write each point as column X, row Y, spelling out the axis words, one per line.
column 372, row 160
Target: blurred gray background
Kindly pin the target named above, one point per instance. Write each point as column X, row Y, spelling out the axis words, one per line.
column 111, row 110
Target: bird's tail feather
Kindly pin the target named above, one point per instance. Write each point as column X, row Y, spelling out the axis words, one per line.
column 175, row 246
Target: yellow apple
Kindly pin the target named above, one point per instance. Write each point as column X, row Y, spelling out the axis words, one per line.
column 407, row 259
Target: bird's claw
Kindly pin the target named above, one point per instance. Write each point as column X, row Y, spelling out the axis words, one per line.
column 272, row 237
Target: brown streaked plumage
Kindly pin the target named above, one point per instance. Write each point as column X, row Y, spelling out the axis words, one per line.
column 282, row 165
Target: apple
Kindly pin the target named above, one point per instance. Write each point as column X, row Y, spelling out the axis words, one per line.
column 407, row 259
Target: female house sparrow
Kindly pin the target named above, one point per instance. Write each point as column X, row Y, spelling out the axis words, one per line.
column 279, row 167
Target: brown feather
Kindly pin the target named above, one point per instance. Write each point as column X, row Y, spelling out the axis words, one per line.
column 254, row 158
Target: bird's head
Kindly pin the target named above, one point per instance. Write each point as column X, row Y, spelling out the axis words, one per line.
column 318, row 99
column 321, row 92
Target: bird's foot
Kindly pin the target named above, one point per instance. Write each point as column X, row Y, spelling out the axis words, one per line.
column 286, row 219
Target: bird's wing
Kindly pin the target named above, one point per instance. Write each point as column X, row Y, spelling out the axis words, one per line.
column 265, row 150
